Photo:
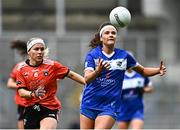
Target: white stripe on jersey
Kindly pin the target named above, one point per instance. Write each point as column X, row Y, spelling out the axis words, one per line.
column 117, row 64
column 133, row 83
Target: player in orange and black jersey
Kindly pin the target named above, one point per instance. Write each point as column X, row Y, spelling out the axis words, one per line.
column 37, row 83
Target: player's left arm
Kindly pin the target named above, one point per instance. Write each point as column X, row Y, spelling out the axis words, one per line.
column 150, row 71
column 76, row 77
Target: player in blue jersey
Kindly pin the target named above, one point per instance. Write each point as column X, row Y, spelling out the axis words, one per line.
column 104, row 71
column 131, row 113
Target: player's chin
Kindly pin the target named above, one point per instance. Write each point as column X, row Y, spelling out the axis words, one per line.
column 39, row 59
column 111, row 42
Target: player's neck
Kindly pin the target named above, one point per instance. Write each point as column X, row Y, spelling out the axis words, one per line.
column 34, row 63
column 108, row 50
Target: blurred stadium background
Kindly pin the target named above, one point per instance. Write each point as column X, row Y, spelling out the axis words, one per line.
column 68, row 25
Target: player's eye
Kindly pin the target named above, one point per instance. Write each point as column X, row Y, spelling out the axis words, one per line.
column 42, row 49
column 113, row 32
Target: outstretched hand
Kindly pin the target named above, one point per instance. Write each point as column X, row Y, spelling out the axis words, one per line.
column 162, row 69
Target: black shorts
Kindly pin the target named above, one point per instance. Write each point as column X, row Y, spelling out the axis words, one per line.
column 34, row 114
column 20, row 112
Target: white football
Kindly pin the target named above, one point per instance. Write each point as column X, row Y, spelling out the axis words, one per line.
column 120, row 17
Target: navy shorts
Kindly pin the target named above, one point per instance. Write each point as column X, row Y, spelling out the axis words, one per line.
column 34, row 114
column 138, row 114
column 92, row 113
column 20, row 112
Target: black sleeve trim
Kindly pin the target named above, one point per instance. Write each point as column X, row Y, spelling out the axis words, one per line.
column 22, row 88
column 66, row 73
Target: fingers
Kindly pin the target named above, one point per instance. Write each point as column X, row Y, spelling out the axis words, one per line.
column 40, row 92
column 104, row 64
column 162, row 68
column 100, row 62
column 161, row 63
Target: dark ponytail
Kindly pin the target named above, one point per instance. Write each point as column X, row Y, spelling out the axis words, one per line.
column 19, row 45
column 95, row 41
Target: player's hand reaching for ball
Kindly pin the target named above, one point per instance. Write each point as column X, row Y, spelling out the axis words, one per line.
column 162, row 69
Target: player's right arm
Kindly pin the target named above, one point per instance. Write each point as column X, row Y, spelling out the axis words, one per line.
column 38, row 93
column 25, row 93
column 21, row 85
column 11, row 83
column 91, row 75
column 12, row 79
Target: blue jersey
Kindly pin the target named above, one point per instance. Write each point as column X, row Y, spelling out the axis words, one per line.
column 132, row 101
column 104, row 92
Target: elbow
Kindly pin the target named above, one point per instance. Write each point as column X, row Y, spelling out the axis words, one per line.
column 149, row 90
column 144, row 74
column 9, row 85
column 86, row 80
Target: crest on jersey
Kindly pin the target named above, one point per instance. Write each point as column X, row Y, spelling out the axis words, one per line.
column 119, row 63
column 46, row 73
column 36, row 74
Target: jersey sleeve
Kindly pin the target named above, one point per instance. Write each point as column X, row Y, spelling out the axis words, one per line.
column 89, row 62
column 60, row 70
column 131, row 61
column 13, row 72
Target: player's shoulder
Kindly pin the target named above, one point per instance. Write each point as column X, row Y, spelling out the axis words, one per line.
column 21, row 65
column 18, row 64
column 48, row 62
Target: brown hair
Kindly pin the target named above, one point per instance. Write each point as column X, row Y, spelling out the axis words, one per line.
column 96, row 40
column 19, row 45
